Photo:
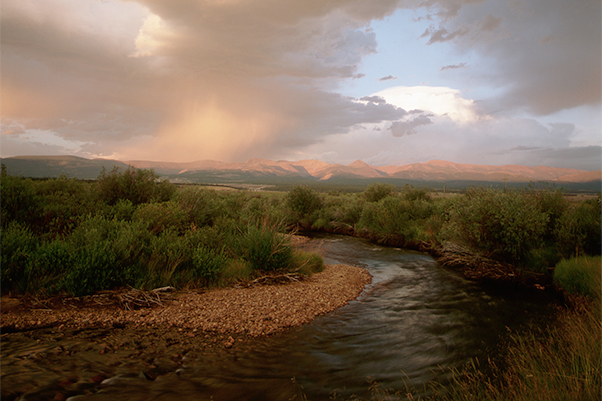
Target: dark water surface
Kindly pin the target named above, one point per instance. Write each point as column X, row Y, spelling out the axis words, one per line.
column 409, row 326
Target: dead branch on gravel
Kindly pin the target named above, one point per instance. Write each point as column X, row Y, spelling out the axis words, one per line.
column 272, row 279
column 134, row 298
column 472, row 265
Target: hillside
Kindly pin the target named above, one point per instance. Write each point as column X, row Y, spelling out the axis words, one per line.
column 263, row 171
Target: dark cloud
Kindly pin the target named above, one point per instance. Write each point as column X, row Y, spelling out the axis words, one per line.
column 523, row 148
column 373, row 99
column 546, row 55
column 403, row 128
column 587, row 158
column 453, row 67
column 185, row 80
column 443, row 35
column 192, row 79
column 582, row 158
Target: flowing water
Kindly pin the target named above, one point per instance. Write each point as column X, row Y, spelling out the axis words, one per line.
column 414, row 322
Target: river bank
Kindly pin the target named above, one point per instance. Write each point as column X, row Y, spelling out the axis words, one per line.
column 80, row 345
column 254, row 311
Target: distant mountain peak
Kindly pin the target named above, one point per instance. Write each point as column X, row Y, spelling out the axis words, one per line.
column 359, row 163
column 433, row 170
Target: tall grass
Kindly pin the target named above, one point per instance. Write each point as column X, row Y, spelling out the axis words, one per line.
column 558, row 362
column 580, row 275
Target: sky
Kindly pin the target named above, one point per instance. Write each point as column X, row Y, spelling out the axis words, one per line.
column 489, row 82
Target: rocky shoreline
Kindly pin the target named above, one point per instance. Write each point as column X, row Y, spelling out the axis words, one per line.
column 254, row 311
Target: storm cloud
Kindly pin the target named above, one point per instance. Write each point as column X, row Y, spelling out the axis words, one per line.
column 231, row 80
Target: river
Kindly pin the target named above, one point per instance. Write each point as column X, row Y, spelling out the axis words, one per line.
column 409, row 327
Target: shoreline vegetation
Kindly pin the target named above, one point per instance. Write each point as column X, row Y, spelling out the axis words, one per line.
column 130, row 229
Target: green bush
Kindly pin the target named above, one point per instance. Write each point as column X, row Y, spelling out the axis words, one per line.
column 63, row 202
column 306, row 263
column 201, row 205
column 339, row 211
column 416, row 194
column 52, row 260
column 20, row 202
column 159, row 217
column 378, row 191
column 116, row 250
column 580, row 275
column 502, row 225
column 265, row 248
column 122, row 210
column 136, row 185
column 578, row 229
column 396, row 220
column 302, row 201
column 19, row 247
column 550, row 201
column 94, row 269
column 234, row 271
column 208, row 264
column 170, row 261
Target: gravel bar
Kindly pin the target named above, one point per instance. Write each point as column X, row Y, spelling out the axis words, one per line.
column 253, row 311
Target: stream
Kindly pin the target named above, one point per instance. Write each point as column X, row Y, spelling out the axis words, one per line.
column 409, row 327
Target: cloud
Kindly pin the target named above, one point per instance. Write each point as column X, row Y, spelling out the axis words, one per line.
column 230, row 79
column 403, row 128
column 373, row 99
column 152, row 35
column 453, row 67
column 489, row 141
column 541, row 56
column 441, row 101
column 189, row 79
column 442, row 35
column 583, row 158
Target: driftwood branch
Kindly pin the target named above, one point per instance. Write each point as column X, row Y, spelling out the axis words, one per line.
column 134, row 298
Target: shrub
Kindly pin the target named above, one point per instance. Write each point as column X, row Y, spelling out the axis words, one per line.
column 19, row 246
column 580, row 275
column 138, row 186
column 52, row 260
column 504, row 226
column 395, row 220
column 170, row 261
column 200, row 205
column 578, row 229
column 94, row 269
column 551, row 202
column 378, row 191
column 235, row 270
column 159, row 217
column 107, row 254
column 122, row 210
column 416, row 194
column 19, row 200
column 62, row 203
column 306, row 263
column 302, row 201
column 265, row 248
column 208, row 263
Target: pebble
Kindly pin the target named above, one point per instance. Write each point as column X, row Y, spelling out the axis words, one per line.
column 253, row 311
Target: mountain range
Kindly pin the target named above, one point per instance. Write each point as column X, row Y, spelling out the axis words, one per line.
column 256, row 170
